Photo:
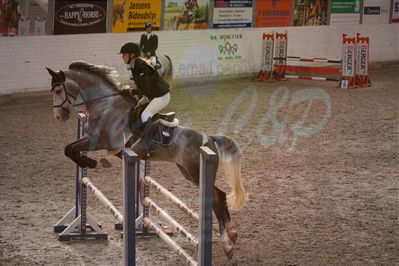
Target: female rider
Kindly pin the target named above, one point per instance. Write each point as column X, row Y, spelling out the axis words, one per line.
column 148, row 83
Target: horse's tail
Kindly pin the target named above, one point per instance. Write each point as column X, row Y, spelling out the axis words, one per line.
column 170, row 71
column 230, row 158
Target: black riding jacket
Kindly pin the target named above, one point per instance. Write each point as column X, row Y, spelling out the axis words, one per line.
column 148, row 80
column 149, row 45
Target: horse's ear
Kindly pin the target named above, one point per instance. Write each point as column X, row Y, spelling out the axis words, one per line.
column 61, row 75
column 51, row 72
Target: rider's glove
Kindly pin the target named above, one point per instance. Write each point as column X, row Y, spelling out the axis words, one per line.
column 125, row 91
column 134, row 92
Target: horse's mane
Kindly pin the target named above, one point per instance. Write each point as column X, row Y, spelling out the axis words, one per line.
column 107, row 74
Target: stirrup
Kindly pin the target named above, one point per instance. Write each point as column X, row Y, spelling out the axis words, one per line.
column 167, row 123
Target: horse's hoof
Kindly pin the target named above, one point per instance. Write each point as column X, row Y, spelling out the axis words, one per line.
column 228, row 250
column 103, row 163
column 233, row 235
column 149, row 154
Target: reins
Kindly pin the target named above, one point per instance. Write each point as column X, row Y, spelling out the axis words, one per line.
column 96, row 99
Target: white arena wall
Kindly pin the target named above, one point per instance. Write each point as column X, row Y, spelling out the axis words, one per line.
column 195, row 54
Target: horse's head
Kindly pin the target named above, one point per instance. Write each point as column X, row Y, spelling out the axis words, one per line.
column 64, row 94
column 118, row 12
column 194, row 4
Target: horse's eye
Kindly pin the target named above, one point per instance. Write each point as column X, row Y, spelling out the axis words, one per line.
column 58, row 92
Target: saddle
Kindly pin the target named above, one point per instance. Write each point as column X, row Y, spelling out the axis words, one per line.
column 163, row 129
column 166, row 128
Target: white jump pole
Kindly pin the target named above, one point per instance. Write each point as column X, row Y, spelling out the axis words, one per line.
column 103, row 199
column 166, row 193
column 208, row 167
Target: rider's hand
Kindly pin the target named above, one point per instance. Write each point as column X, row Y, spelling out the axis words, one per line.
column 125, row 90
column 134, row 92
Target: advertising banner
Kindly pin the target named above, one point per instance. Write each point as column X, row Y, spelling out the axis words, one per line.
column 273, row 13
column 395, row 11
column 77, row 17
column 232, row 14
column 132, row 15
column 362, row 55
column 345, row 12
column 33, row 13
column 268, row 45
column 348, row 59
column 23, row 27
column 10, row 14
column 186, row 15
column 37, row 12
column 310, row 12
column 375, row 12
column 3, row 28
column 40, row 27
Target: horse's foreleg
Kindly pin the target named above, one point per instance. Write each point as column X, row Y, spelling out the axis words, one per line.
column 177, row 23
column 74, row 149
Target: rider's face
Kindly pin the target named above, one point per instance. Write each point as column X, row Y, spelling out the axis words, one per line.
column 126, row 57
column 148, row 29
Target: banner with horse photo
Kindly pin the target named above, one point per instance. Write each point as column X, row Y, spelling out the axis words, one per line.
column 10, row 14
column 3, row 28
column 34, row 16
column 132, row 15
column 310, row 12
column 186, row 15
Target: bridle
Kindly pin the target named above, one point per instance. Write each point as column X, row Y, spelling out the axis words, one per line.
column 67, row 95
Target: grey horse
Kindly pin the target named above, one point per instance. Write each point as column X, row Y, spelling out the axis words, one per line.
column 107, row 129
column 166, row 69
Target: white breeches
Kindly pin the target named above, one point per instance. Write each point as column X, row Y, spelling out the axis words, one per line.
column 156, row 105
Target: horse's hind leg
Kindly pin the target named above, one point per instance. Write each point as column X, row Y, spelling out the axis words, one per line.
column 74, row 149
column 228, row 235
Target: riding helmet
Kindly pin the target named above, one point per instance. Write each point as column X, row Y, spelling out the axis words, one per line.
column 130, row 48
column 149, row 24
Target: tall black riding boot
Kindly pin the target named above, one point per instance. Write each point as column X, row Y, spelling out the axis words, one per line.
column 134, row 125
column 146, row 138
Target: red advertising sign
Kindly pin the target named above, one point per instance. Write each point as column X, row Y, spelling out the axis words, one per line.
column 276, row 13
